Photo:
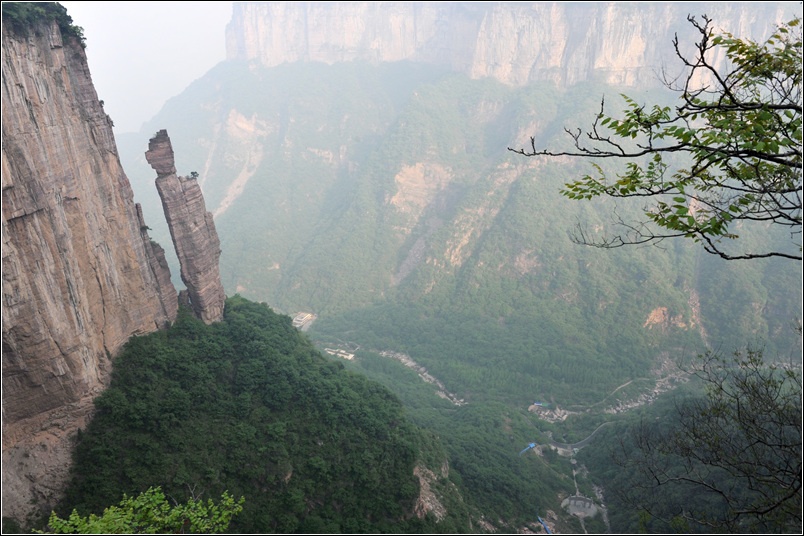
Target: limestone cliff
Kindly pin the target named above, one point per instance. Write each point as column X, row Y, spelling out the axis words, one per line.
column 192, row 230
column 620, row 43
column 80, row 274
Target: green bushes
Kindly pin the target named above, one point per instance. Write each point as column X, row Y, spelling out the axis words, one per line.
column 249, row 406
column 23, row 16
column 151, row 513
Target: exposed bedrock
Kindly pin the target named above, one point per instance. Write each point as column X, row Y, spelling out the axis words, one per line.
column 192, row 229
column 80, row 273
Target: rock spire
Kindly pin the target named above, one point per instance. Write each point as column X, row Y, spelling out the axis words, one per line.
column 192, row 230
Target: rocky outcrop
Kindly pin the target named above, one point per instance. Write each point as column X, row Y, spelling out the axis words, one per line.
column 192, row 230
column 620, row 43
column 80, row 273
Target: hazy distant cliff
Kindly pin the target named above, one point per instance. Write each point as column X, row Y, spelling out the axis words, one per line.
column 620, row 43
column 80, row 274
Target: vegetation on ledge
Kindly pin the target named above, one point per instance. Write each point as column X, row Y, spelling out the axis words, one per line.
column 21, row 17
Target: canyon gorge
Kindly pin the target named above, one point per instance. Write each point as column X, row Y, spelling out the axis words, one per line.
column 82, row 273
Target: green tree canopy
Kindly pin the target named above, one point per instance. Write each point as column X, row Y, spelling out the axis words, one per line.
column 725, row 159
column 23, row 16
column 151, row 513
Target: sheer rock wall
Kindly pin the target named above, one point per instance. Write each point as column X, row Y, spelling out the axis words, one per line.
column 619, row 43
column 80, row 274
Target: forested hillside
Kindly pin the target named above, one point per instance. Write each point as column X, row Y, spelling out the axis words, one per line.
column 248, row 406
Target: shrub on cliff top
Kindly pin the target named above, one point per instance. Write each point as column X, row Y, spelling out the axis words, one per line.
column 21, row 17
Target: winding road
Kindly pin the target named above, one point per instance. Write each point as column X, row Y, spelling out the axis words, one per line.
column 580, row 444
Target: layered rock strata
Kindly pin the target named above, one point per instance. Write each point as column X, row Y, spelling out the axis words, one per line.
column 618, row 43
column 80, row 273
column 192, row 229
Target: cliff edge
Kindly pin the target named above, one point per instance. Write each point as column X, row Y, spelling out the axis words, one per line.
column 80, row 273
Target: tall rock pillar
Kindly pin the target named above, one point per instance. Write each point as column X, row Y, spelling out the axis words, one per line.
column 192, row 230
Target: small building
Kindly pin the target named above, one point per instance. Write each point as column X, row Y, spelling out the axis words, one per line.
column 340, row 353
column 580, row 506
column 303, row 320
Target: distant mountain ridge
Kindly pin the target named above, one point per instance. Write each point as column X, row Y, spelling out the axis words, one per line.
column 517, row 43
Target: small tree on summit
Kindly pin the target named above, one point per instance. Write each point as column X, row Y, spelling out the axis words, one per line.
column 739, row 134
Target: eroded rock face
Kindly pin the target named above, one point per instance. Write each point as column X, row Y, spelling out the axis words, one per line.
column 192, row 230
column 620, row 43
column 80, row 274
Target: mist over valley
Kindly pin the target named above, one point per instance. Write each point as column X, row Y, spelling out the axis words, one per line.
column 452, row 340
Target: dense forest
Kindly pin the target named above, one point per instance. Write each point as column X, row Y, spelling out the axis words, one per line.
column 249, row 407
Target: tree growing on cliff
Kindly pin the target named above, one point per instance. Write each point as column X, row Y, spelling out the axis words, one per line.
column 729, row 461
column 727, row 157
column 22, row 17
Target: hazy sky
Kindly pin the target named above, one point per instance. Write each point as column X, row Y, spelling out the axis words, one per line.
column 143, row 53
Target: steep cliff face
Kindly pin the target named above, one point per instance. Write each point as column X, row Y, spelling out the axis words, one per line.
column 619, row 43
column 192, row 229
column 80, row 274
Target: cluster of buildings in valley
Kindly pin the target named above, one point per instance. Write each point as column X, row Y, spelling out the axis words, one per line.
column 548, row 412
column 302, row 322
